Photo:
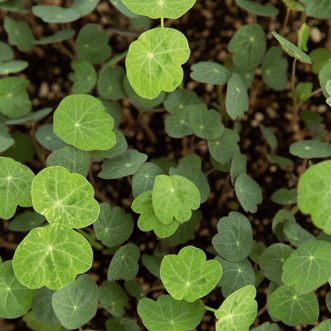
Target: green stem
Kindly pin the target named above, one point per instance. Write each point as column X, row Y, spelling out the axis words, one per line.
column 209, row 172
column 162, row 22
column 210, row 309
column 90, row 238
column 293, row 80
column 309, row 96
column 129, row 180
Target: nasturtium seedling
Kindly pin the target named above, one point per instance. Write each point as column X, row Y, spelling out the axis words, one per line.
column 311, row 149
column 84, row 7
column 318, row 8
column 47, row 138
column 257, row 8
column 296, row 235
column 56, row 14
column 178, row 124
column 284, row 196
column 159, row 52
column 188, row 275
column 53, row 256
column 26, row 221
column 64, row 198
column 110, row 83
column 210, row 73
column 84, row 76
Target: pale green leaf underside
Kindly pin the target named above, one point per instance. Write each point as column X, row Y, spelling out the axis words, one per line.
column 53, row 256
column 55, row 14
column 64, row 198
column 210, row 73
column 311, row 149
column 257, row 8
column 188, row 275
column 156, row 8
column 154, row 61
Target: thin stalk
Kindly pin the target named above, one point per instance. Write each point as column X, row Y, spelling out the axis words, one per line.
column 129, row 180
column 209, row 172
column 162, row 22
column 285, row 22
column 293, row 79
column 210, row 309
column 309, row 96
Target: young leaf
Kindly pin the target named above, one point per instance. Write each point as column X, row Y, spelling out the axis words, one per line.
column 26, row 221
column 303, row 36
column 121, row 324
column 15, row 186
column 56, row 14
column 174, row 196
column 191, row 160
column 296, row 235
column 318, row 8
column 178, row 124
column 6, row 52
column 23, row 149
column 59, row 35
column 267, row 327
column 238, row 166
column 34, row 324
column 123, row 9
column 47, row 138
column 258, row 249
column 124, row 263
column 156, row 9
column 308, row 267
column 80, row 120
column 113, row 227
column 323, row 326
column 30, row 118
column 291, row 49
column 134, row 289
column 153, row 262
column 123, row 165
column 64, row 198
column 249, row 192
column 84, row 76
column 320, row 57
column 280, row 218
column 113, row 110
column 12, row 66
column 238, row 311
column 293, row 308
column 274, row 68
column 257, row 8
column 113, row 298
column 294, row 5
column 248, row 45
column 210, row 73
column 76, row 303
column 234, row 240
column 303, row 90
column 84, row 7
column 169, row 314
column 53, row 256
column 324, row 76
column 284, row 196
column 15, row 298
column 283, row 162
column 246, row 75
column 310, row 149
column 110, row 83
column 235, row 275
column 188, row 275
column 5, row 138
column 159, row 52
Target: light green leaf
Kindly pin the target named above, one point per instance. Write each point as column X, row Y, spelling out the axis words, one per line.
column 178, row 124
column 15, row 298
column 294, row 5
column 318, row 8
column 296, row 235
column 76, row 304
column 210, row 73
column 248, row 45
column 238, row 166
column 308, row 267
column 191, row 160
column 19, row 34
column 154, row 61
column 113, row 298
column 53, row 256
column 84, row 7
column 238, row 311
column 60, row 35
column 293, row 308
column 14, row 99
column 123, row 165
column 5, row 138
column 168, row 314
column 280, row 218
column 328, row 300
column 320, row 57
column 156, row 9
column 12, row 66
column 113, row 227
column 258, row 249
column 148, row 221
column 257, row 8
column 324, row 76
column 188, row 275
column 234, row 240
column 328, row 90
column 47, row 138
column 291, row 49
column 274, row 68
column 123, row 9
column 64, row 198
column 284, row 196
column 124, row 264
column 71, row 158
column 84, row 76
column 174, row 196
column 303, row 90
column 121, row 324
column 323, row 326
column 236, row 100
column 34, row 324
column 283, row 162
column 92, row 44
column 311, row 149
column 303, row 36
column 26, row 221
column 205, row 123
column 56, row 14
column 235, row 275
column 80, row 120
column 223, row 148
column 15, row 186
column 110, row 83
column 267, row 327
column 272, row 260
column 249, row 193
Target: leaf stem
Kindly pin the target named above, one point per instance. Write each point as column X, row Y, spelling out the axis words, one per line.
column 210, row 309
column 129, row 180
column 209, row 172
column 285, row 22
column 309, row 96
column 162, row 22
column 293, row 79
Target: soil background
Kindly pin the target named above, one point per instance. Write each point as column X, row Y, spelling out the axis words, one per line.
column 209, row 26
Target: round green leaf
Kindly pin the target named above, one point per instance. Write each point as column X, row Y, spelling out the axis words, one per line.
column 71, row 158
column 168, row 314
column 113, row 227
column 47, row 138
column 283, row 162
column 123, row 165
column 311, row 149
column 124, row 263
column 156, row 9
column 191, row 160
column 15, row 298
column 280, row 218
column 6, row 139
column 284, row 196
column 257, row 8
column 6, row 53
column 238, row 166
column 60, row 35
column 92, row 44
column 113, row 298
column 293, row 308
column 246, row 75
column 14, row 99
column 249, row 193
column 153, row 262
column 30, row 118
column 26, row 221
column 292, row 49
column 296, row 235
column 121, row 324
column 324, row 76
column 134, row 289
column 64, row 198
column 15, row 186
column 76, row 304
column 159, row 52
column 248, row 46
column 258, row 249
column 318, row 8
column 80, row 120
column 12, row 66
column 234, row 240
column 188, row 275
column 308, row 267
column 174, row 196
column 320, row 57
column 238, row 311
column 123, row 9
column 270, row 136
column 84, row 7
column 53, row 256
column 110, row 83
column 323, row 326
column 303, row 90
column 177, row 125
column 34, row 324
column 56, row 14
column 210, row 73
column 113, row 110
column 84, row 76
